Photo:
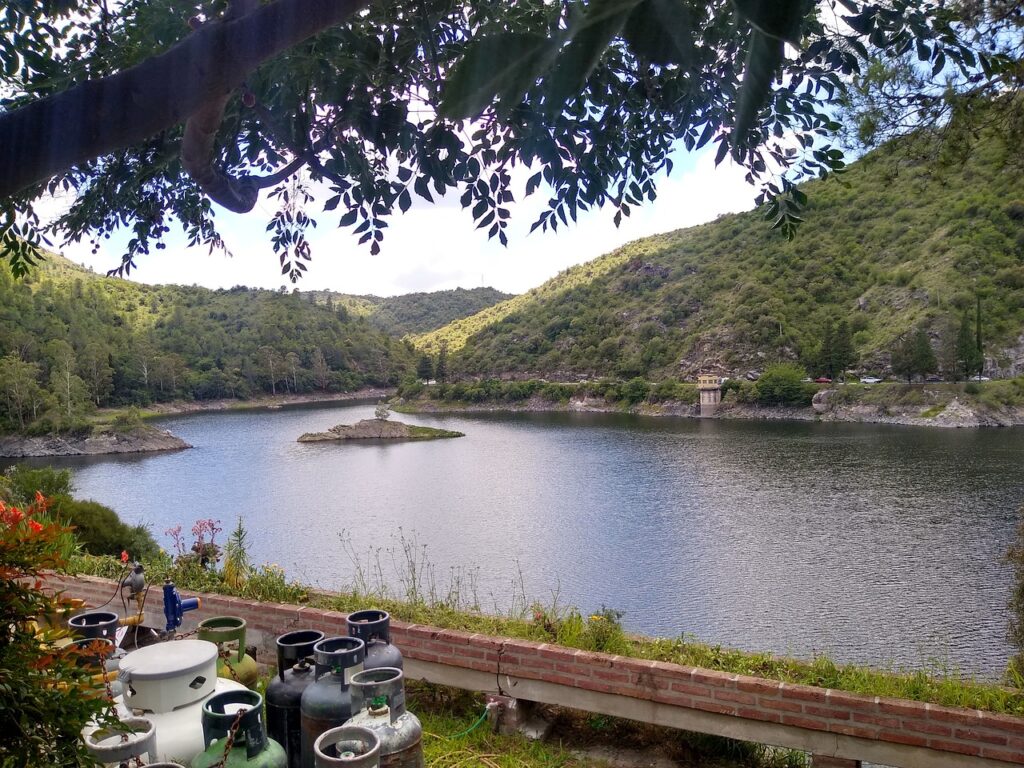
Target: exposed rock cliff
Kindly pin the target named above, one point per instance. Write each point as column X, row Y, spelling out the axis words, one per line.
column 139, row 440
column 377, row 429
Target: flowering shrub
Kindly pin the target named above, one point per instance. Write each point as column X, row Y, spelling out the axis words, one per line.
column 204, row 551
column 47, row 694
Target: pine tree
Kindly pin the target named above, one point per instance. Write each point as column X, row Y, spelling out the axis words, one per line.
column 826, row 356
column 843, row 355
column 424, row 368
column 441, row 369
column 968, row 355
column 903, row 358
column 923, row 359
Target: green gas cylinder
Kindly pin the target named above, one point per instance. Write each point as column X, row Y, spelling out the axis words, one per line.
column 237, row 716
column 228, row 632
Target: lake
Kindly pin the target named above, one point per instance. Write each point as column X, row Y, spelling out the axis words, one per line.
column 875, row 544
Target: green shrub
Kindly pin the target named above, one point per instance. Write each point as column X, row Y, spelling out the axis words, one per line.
column 410, row 387
column 781, row 384
column 127, row 420
column 100, row 531
column 557, row 393
column 24, row 481
column 971, row 388
column 670, row 389
column 634, row 391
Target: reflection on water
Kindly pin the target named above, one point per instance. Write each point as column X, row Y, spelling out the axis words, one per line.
column 876, row 544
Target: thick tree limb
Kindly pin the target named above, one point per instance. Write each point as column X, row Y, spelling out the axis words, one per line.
column 86, row 121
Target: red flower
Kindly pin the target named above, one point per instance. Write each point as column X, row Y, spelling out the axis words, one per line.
column 35, row 525
column 124, row 555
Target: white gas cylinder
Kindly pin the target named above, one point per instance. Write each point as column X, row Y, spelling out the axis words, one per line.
column 167, row 684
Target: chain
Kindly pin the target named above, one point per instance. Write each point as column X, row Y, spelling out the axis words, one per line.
column 226, row 656
column 230, row 741
column 183, row 635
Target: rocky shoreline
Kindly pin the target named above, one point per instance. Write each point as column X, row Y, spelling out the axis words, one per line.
column 954, row 415
column 144, row 439
column 149, row 439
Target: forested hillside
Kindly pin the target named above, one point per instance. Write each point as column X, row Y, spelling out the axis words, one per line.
column 71, row 340
column 415, row 312
column 914, row 235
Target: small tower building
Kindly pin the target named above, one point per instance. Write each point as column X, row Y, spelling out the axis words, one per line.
column 710, row 389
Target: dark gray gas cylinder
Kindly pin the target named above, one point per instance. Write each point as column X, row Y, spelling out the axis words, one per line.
column 284, row 693
column 373, row 627
column 327, row 702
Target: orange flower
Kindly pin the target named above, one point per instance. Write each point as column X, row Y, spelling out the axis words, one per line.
column 35, row 525
column 124, row 555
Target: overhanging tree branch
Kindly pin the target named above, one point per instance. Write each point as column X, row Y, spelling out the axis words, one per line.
column 96, row 117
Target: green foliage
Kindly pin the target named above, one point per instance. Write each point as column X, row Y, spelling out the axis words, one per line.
column 237, row 566
column 100, row 531
column 413, row 313
column 1015, row 628
column 914, row 356
column 635, row 390
column 781, row 384
column 24, row 482
column 671, row 389
column 47, row 695
column 905, row 241
column 114, row 343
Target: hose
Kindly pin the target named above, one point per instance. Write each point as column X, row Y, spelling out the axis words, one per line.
column 474, row 726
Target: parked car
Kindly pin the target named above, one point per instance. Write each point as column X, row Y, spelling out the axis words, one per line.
column 932, row 379
column 870, row 380
column 979, row 377
column 823, row 380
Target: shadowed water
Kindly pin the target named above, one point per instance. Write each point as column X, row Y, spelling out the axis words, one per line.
column 876, row 544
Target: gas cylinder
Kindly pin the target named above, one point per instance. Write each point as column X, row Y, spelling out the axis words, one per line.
column 135, row 738
column 167, row 684
column 240, row 712
column 378, row 703
column 373, row 627
column 234, row 663
column 347, row 746
column 327, row 703
column 284, row 693
column 95, row 624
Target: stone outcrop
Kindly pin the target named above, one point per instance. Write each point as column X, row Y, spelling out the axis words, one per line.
column 377, row 429
column 143, row 439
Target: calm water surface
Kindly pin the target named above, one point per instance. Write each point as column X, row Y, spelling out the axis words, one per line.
column 875, row 544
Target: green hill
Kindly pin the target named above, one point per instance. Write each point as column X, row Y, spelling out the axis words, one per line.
column 71, row 340
column 910, row 236
column 414, row 313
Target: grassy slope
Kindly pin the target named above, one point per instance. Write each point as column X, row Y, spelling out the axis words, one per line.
column 897, row 241
column 415, row 312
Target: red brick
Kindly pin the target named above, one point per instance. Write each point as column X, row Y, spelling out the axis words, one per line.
column 986, row 737
column 753, row 713
column 955, row 746
column 803, row 692
column 902, row 707
column 884, row 722
column 614, row 677
column 690, row 688
column 714, row 678
column 902, row 737
column 1009, row 756
column 801, row 721
column 715, row 706
column 829, row 712
column 859, row 731
column 923, row 726
column 780, row 704
column 757, row 685
column 736, row 696
column 968, row 717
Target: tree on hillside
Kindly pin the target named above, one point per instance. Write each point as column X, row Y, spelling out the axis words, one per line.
column 321, row 371
column 19, row 383
column 441, row 366
column 914, row 356
column 424, row 368
column 148, row 115
column 836, row 352
column 968, row 355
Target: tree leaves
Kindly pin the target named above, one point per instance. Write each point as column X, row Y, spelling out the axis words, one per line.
column 661, row 31
column 501, row 66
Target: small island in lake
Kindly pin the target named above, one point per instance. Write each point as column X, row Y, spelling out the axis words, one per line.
column 378, row 429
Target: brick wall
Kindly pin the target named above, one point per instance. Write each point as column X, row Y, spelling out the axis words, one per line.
column 946, row 730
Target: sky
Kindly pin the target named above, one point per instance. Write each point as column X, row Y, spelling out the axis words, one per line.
column 435, row 247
